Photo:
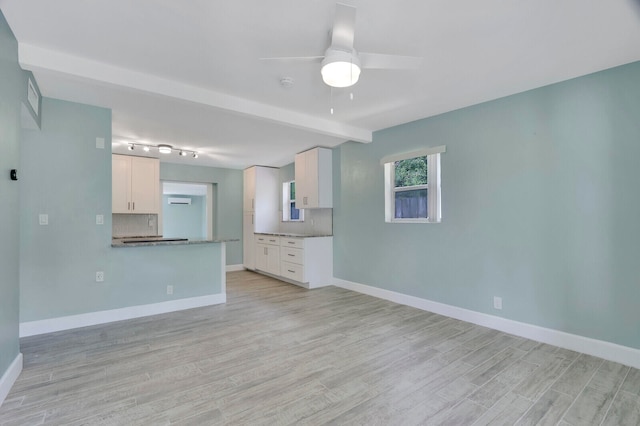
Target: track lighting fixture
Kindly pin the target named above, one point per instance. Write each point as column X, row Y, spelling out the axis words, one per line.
column 162, row 149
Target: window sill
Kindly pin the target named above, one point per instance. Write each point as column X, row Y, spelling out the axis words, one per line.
column 410, row 221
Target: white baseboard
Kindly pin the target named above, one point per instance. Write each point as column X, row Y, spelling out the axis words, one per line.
column 9, row 377
column 33, row 328
column 235, row 268
column 600, row 348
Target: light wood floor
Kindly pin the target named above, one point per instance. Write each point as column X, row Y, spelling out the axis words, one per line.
column 278, row 354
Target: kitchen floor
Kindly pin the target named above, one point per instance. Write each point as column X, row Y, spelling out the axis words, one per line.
column 279, row 354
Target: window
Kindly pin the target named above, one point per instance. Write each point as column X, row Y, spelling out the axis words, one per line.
column 412, row 186
column 289, row 211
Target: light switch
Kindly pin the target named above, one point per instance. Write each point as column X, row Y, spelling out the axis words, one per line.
column 99, row 219
column 100, row 143
column 43, row 219
column 497, row 302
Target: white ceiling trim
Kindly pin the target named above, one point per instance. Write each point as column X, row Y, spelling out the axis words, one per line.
column 36, row 58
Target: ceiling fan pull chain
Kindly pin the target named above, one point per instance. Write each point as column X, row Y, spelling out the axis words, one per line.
column 331, row 100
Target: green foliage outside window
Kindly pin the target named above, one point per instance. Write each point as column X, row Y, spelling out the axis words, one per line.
column 410, row 172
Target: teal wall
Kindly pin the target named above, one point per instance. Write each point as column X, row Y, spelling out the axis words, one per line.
column 64, row 175
column 184, row 220
column 10, row 98
column 541, row 206
column 287, row 173
column 227, row 213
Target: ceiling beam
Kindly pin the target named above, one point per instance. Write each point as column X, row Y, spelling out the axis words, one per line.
column 36, row 58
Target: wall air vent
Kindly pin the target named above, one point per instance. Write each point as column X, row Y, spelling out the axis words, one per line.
column 175, row 200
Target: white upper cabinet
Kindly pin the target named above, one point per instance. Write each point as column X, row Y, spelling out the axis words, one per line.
column 314, row 179
column 249, row 186
column 120, row 184
column 135, row 184
column 261, row 196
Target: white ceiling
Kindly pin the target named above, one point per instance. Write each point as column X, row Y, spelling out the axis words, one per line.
column 188, row 73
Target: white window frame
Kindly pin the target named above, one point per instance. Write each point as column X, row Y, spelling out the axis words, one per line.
column 433, row 186
column 286, row 203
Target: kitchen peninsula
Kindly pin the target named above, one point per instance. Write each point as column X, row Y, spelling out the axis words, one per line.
column 159, row 241
column 156, row 277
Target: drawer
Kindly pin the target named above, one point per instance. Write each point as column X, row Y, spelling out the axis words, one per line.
column 293, row 255
column 292, row 271
column 292, row 242
column 267, row 239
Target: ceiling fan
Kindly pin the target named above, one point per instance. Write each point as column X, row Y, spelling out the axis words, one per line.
column 341, row 64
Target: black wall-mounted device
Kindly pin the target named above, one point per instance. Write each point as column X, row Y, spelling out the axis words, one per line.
column 14, row 174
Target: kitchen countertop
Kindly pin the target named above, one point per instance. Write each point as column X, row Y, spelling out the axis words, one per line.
column 288, row 234
column 119, row 242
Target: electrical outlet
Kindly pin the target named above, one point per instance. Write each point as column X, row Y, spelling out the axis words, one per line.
column 99, row 276
column 43, row 219
column 497, row 302
column 169, row 289
column 99, row 219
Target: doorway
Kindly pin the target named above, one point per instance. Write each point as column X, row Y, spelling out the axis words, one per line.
column 187, row 210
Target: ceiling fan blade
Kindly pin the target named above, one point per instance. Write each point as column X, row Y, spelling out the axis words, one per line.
column 389, row 62
column 343, row 26
column 295, row 58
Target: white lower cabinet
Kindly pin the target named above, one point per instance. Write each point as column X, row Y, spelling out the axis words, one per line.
column 248, row 241
column 292, row 271
column 292, row 255
column 305, row 261
column 268, row 254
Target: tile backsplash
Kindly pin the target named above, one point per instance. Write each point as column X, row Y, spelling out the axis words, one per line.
column 316, row 222
column 134, row 225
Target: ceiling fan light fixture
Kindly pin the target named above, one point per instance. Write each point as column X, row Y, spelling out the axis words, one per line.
column 340, row 69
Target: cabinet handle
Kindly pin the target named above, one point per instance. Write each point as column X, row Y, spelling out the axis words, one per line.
column 252, row 219
column 291, row 255
column 293, row 272
column 272, row 241
column 291, row 242
column 134, row 205
column 253, row 203
column 128, row 205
